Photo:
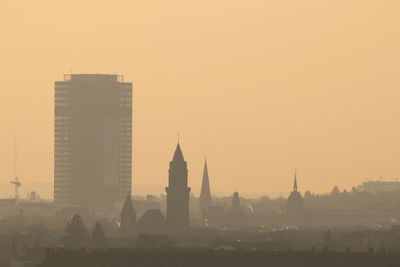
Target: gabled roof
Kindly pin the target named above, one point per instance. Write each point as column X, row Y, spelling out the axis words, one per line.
column 152, row 221
column 152, row 216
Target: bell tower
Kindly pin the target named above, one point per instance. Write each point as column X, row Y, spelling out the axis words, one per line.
column 178, row 192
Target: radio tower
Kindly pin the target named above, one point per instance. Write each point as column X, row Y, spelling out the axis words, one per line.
column 16, row 182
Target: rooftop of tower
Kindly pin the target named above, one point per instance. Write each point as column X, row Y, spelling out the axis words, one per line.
column 178, row 155
column 93, row 78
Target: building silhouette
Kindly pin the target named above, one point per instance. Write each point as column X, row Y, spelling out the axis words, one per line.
column 153, row 222
column 295, row 203
column 235, row 200
column 215, row 217
column 238, row 215
column 92, row 139
column 128, row 216
column 378, row 186
column 205, row 194
column 178, row 192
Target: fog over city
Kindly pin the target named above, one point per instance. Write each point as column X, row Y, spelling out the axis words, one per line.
column 211, row 133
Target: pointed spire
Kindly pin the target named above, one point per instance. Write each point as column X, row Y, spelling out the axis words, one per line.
column 295, row 181
column 178, row 155
column 128, row 215
column 205, row 185
column 128, row 205
column 205, row 194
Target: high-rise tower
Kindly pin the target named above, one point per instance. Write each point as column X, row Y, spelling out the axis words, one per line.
column 92, row 139
column 178, row 192
column 205, row 195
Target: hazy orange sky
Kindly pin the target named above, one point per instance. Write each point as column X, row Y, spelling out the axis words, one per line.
column 258, row 86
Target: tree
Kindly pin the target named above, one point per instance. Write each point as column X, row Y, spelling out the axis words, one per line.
column 75, row 233
column 98, row 237
column 354, row 190
column 335, row 191
column 307, row 194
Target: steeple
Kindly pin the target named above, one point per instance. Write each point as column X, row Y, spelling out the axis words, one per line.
column 128, row 215
column 128, row 205
column 178, row 155
column 295, row 200
column 178, row 192
column 205, row 184
column 205, row 195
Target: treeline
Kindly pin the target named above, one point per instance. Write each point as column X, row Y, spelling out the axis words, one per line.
column 210, row 258
column 336, row 200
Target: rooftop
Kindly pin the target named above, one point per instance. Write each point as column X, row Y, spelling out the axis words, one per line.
column 94, row 77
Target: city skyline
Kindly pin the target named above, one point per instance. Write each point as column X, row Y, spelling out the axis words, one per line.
column 265, row 99
column 199, row 133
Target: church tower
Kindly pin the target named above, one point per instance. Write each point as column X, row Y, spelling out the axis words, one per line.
column 236, row 200
column 128, row 216
column 295, row 200
column 178, row 192
column 205, row 195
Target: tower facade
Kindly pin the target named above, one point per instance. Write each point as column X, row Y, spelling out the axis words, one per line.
column 236, row 200
column 92, row 139
column 178, row 192
column 205, row 194
column 238, row 214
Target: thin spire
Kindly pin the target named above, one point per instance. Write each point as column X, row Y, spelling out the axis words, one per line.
column 205, row 194
column 15, row 155
column 205, row 185
column 295, row 180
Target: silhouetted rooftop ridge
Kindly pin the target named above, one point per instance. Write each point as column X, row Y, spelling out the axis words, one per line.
column 93, row 77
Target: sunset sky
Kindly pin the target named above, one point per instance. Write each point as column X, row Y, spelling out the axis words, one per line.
column 259, row 87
